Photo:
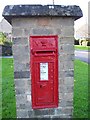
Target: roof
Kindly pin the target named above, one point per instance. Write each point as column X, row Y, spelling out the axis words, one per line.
column 5, row 26
column 82, row 31
column 14, row 11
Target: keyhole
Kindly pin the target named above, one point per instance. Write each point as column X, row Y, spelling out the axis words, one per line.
column 40, row 86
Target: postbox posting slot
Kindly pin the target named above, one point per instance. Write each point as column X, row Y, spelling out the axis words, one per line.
column 46, row 53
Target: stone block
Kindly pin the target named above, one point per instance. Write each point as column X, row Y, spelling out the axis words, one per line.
column 61, row 117
column 69, row 73
column 66, row 40
column 21, row 66
column 61, row 74
column 21, row 99
column 44, row 117
column 20, row 41
column 59, row 110
column 65, row 65
column 66, row 88
column 66, row 57
column 26, row 82
column 26, row 106
column 68, row 110
column 64, row 110
column 29, row 96
column 66, row 49
column 57, row 31
column 67, row 31
column 18, row 50
column 61, row 22
column 68, row 81
column 22, row 61
column 22, row 114
column 61, row 96
column 43, row 21
column 24, row 22
column 20, row 82
column 42, row 31
column 20, row 91
column 62, row 103
column 61, row 67
column 31, row 114
column 27, row 32
column 65, row 103
column 44, row 112
column 17, row 32
column 22, row 74
column 21, row 106
column 69, row 103
column 61, row 82
column 68, row 96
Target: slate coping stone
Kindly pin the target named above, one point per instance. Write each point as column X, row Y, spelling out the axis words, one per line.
column 15, row 11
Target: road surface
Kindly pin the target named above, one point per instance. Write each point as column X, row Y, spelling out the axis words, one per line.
column 83, row 55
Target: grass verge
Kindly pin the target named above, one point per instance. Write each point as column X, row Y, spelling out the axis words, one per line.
column 8, row 93
column 80, row 89
column 0, row 89
column 79, row 47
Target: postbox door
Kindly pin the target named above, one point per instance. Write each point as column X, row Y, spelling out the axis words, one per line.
column 44, row 71
column 44, row 82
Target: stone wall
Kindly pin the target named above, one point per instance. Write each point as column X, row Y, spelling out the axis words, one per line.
column 23, row 28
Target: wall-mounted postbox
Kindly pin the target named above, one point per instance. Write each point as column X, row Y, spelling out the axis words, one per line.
column 44, row 71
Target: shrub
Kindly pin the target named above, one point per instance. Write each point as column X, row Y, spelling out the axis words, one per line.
column 2, row 38
column 76, row 42
column 88, row 43
column 6, row 50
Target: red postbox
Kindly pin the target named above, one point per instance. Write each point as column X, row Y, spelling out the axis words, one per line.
column 44, row 71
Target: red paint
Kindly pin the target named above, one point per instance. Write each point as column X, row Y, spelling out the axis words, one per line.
column 44, row 53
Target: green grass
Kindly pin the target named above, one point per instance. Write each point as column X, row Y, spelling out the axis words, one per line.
column 81, row 90
column 8, row 93
column 0, row 89
column 78, row 47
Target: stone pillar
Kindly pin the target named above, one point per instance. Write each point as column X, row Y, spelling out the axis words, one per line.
column 32, row 20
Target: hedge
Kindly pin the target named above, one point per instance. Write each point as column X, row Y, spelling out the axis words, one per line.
column 5, row 50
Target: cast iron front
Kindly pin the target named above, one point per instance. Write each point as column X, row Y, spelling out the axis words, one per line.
column 44, row 71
